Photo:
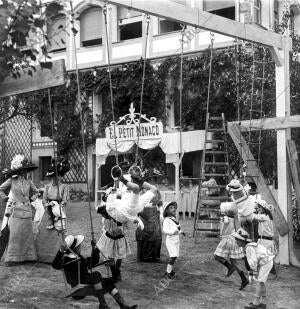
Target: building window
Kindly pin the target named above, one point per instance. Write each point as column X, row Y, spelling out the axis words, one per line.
column 225, row 12
column 130, row 28
column 166, row 26
column 56, row 33
column 130, row 25
column 257, row 12
column 91, row 27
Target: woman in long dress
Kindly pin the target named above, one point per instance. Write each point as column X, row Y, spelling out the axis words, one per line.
column 21, row 240
column 48, row 239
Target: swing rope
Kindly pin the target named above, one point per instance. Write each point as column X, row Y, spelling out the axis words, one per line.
column 104, row 10
column 62, row 233
column 237, row 64
column 212, row 38
column 180, row 99
column 82, row 125
column 142, row 89
column 252, row 110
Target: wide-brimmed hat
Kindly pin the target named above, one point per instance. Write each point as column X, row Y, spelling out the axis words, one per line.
column 265, row 205
column 73, row 242
column 234, row 186
column 62, row 167
column 166, row 205
column 241, row 234
column 18, row 165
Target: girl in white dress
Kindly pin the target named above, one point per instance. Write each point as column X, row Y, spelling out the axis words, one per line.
column 172, row 228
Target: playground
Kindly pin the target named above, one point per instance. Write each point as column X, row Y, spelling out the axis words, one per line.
column 200, row 283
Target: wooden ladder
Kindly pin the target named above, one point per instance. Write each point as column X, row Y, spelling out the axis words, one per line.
column 214, row 165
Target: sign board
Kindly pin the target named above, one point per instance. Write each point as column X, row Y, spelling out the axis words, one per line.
column 136, row 127
column 41, row 78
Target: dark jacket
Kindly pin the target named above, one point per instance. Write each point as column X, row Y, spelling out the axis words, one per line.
column 70, row 267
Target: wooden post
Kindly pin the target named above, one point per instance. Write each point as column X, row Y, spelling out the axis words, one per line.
column 283, row 175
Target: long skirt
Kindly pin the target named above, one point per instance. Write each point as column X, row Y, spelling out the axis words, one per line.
column 47, row 242
column 21, row 241
column 148, row 250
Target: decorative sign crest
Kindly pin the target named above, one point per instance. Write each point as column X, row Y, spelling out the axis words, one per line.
column 130, row 128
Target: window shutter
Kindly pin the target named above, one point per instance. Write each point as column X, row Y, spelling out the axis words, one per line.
column 91, row 24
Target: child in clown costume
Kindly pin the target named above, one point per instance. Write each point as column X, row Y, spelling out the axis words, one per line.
column 245, row 205
column 125, row 207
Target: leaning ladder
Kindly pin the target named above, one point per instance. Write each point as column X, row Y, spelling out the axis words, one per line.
column 214, row 164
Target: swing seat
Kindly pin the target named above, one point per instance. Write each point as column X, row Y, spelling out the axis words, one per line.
column 81, row 290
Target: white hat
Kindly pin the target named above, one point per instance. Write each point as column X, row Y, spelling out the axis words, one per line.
column 72, row 242
column 166, row 205
column 241, row 234
column 264, row 205
column 234, row 186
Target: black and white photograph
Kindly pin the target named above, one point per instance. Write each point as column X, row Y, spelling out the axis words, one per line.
column 149, row 154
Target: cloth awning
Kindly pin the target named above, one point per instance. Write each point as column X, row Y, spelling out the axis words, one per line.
column 169, row 143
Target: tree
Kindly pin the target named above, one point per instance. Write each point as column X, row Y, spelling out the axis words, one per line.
column 22, row 44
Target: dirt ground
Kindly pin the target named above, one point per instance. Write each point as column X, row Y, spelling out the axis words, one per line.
column 200, row 282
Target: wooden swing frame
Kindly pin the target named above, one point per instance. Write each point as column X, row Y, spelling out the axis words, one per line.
column 280, row 46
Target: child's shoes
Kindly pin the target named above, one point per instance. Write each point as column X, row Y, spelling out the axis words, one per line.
column 259, row 306
column 170, row 275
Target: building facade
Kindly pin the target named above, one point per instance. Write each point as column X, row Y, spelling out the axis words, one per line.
column 126, row 42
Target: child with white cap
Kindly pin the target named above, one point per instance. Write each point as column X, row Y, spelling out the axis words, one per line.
column 172, row 228
column 266, row 227
column 77, row 268
column 260, row 261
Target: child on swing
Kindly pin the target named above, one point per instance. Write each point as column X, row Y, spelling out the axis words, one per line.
column 125, row 208
column 77, row 268
column 172, row 228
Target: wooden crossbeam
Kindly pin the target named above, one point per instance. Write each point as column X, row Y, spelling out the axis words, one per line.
column 204, row 20
column 269, row 123
column 245, row 153
column 42, row 78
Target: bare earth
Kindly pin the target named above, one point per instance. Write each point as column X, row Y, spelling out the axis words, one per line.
column 200, row 282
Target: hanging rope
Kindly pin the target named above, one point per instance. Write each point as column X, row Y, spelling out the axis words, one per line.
column 252, row 110
column 237, row 64
column 142, row 90
column 82, row 124
column 55, row 164
column 212, row 38
column 180, row 98
column 110, row 82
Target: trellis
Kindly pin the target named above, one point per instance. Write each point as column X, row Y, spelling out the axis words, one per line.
column 17, row 138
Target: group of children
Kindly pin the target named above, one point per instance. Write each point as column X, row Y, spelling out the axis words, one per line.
column 130, row 195
column 236, row 243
